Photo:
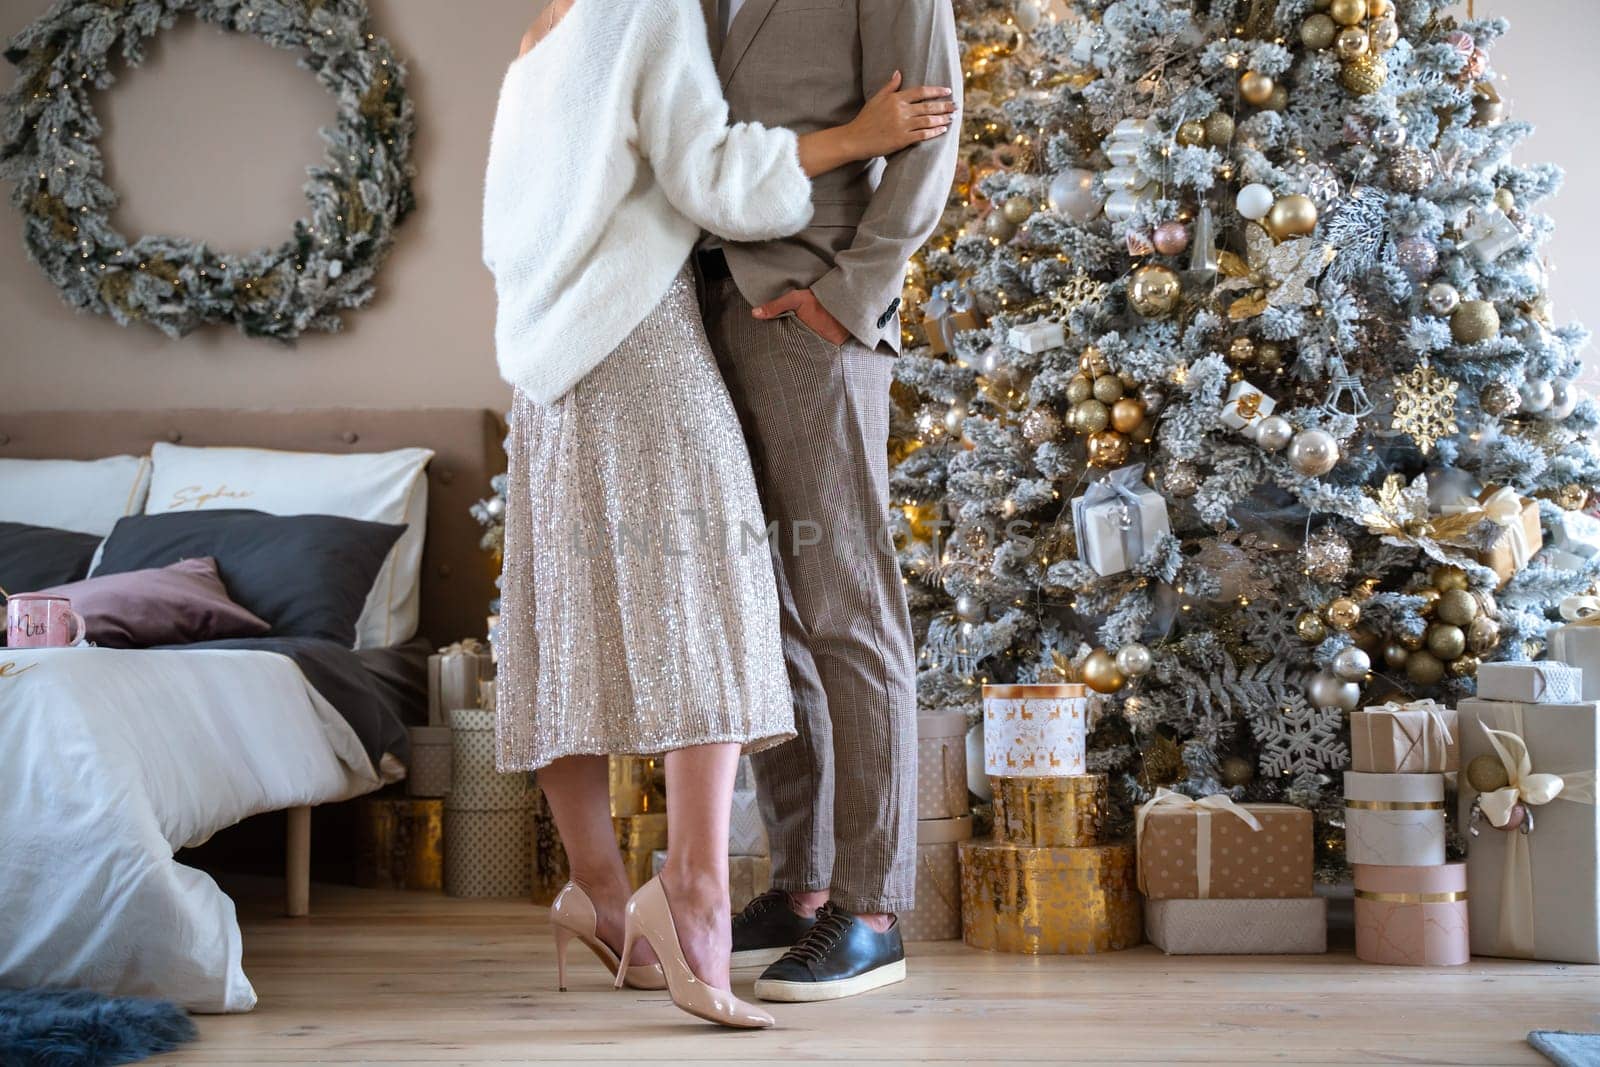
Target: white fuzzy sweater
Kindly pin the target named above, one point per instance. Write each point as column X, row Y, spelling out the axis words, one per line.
column 611, row 152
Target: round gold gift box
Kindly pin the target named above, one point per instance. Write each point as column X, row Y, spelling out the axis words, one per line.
column 1049, row 901
column 400, row 843
column 1048, row 812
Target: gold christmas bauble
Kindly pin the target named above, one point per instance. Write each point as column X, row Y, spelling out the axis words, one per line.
column 999, row 227
column 1465, row 666
column 1040, row 426
column 1424, row 668
column 1572, row 497
column 1474, row 321
column 1318, row 31
column 1292, row 216
column 1456, row 607
column 1505, row 200
column 1017, row 210
column 1079, row 389
column 1395, row 655
column 1363, row 75
column 1219, row 129
column 1411, row 642
column 1192, row 133
column 1310, row 628
column 1093, row 362
column 1091, row 416
column 1100, row 672
column 1446, row 642
column 1487, row 774
column 1108, row 389
column 1377, row 9
column 1384, row 34
column 1447, row 578
column 1236, row 771
column 1241, row 350
column 1348, row 12
column 1108, row 448
column 1483, row 635
column 1351, row 42
column 1499, row 398
column 1126, row 415
column 1154, row 290
column 1342, row 613
column 1269, row 355
column 1255, row 87
column 1278, row 100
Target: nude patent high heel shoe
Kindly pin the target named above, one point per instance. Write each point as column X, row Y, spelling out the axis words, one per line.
column 572, row 915
column 649, row 917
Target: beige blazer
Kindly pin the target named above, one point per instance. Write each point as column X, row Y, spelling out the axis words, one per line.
column 810, row 64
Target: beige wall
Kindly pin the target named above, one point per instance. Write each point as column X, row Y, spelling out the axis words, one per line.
column 211, row 137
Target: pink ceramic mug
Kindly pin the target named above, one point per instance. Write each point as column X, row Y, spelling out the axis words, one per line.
column 38, row 620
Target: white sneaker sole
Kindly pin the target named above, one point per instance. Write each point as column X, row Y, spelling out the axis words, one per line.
column 806, row 992
column 756, row 957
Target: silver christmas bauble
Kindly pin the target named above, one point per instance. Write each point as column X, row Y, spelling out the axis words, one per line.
column 970, row 609
column 1154, row 398
column 1274, row 433
column 1181, row 479
column 1352, row 664
column 1410, row 170
column 1313, row 453
column 1537, row 395
column 1326, row 555
column 988, row 360
column 1391, row 135
column 1133, row 659
column 1443, row 298
column 1028, row 15
column 1328, row 690
column 955, row 418
column 1417, row 256
column 1072, row 194
column 495, row 506
column 1563, row 399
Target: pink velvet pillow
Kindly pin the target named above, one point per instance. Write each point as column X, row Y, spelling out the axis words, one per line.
column 176, row 605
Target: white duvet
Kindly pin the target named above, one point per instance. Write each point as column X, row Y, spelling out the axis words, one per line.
column 112, row 760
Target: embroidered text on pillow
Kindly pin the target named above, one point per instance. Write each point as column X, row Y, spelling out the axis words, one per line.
column 197, row 497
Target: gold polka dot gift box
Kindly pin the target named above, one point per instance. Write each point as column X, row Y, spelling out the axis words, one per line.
column 937, row 916
column 1213, row 848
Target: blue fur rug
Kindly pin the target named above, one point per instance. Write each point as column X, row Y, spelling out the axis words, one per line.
column 77, row 1028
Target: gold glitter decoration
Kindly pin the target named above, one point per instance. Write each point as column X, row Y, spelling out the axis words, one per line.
column 1049, row 901
column 1275, row 274
column 1425, row 406
column 1161, row 763
column 1061, row 812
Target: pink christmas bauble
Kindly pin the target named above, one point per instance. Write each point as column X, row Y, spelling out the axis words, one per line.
column 1171, row 238
column 1514, row 820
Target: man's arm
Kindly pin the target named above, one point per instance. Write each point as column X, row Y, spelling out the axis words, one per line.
column 917, row 38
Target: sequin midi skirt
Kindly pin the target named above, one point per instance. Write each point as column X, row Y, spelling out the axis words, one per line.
column 639, row 611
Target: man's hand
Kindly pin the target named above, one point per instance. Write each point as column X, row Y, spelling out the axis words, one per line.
column 809, row 310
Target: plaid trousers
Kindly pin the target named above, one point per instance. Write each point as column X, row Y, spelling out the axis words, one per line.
column 840, row 799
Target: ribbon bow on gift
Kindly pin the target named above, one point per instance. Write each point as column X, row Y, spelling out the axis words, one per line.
column 1581, row 610
column 467, row 646
column 1525, row 788
column 1203, row 810
column 1431, row 708
column 1503, row 508
column 1120, row 485
column 947, row 300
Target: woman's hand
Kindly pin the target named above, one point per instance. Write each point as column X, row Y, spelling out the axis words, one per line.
column 897, row 118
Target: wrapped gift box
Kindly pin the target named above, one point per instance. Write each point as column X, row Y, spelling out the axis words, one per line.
column 474, row 782
column 1193, row 851
column 428, row 773
column 1244, row 409
column 942, row 765
column 1035, row 730
column 638, row 785
column 1118, row 519
column 1510, row 549
column 1049, row 812
column 1416, row 738
column 1034, row 337
column 400, row 844
column 1394, row 820
column 1237, row 927
column 1535, row 895
column 454, row 675
column 1574, row 539
column 1578, row 644
column 1412, row 916
column 937, row 916
column 1530, row 683
column 1049, row 901
column 487, row 851
column 747, row 831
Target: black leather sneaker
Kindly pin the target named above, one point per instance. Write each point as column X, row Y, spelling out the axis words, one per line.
column 766, row 929
column 840, row 956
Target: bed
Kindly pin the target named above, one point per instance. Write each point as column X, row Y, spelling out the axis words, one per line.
column 113, row 759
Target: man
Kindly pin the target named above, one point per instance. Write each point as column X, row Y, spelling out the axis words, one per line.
column 806, row 331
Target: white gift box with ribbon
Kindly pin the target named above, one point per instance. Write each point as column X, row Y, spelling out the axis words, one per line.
column 1574, row 539
column 1117, row 519
column 1534, row 894
column 1394, row 820
column 455, row 675
column 1244, row 409
column 1578, row 642
column 1530, row 683
column 1033, row 337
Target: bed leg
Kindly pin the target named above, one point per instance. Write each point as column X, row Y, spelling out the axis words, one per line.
column 297, row 873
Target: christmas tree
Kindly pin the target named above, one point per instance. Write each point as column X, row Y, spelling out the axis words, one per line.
column 1245, row 403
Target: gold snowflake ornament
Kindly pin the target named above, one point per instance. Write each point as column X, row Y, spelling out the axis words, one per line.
column 1425, row 406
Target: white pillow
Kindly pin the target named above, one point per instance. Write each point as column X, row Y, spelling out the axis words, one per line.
column 86, row 496
column 387, row 487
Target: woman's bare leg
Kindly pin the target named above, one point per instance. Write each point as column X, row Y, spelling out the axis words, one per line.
column 699, row 800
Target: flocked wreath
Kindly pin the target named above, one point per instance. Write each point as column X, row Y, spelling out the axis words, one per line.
column 358, row 194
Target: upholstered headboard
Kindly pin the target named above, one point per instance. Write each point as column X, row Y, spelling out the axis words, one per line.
column 457, row 576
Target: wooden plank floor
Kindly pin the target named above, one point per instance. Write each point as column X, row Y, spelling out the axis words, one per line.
column 406, row 978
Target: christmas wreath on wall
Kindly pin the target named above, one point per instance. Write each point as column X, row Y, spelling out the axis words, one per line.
column 358, row 195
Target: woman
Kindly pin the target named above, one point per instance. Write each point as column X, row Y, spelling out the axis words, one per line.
column 639, row 611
